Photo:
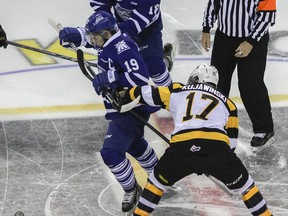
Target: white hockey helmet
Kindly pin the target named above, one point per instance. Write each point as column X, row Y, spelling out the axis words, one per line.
column 204, row 74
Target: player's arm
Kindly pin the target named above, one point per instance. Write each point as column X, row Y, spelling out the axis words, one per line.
column 156, row 96
column 146, row 13
column 266, row 18
column 232, row 124
column 103, row 5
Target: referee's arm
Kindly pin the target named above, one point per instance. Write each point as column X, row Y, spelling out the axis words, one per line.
column 266, row 13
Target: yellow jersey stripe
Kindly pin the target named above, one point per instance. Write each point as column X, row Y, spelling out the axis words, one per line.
column 164, row 93
column 200, row 135
column 231, row 105
column 232, row 122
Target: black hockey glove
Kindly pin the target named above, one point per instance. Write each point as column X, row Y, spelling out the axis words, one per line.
column 3, row 38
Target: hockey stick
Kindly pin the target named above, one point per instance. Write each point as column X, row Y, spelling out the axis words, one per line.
column 58, row 27
column 107, row 93
column 116, row 106
column 47, row 52
column 115, row 103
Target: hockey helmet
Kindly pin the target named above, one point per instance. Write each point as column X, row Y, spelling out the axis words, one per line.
column 100, row 21
column 204, row 74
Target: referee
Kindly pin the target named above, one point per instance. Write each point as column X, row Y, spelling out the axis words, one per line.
column 241, row 40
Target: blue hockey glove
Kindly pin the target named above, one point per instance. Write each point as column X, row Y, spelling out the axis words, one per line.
column 104, row 79
column 3, row 38
column 72, row 35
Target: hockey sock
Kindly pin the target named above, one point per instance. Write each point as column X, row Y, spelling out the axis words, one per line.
column 158, row 71
column 148, row 159
column 124, row 174
column 255, row 202
column 150, row 196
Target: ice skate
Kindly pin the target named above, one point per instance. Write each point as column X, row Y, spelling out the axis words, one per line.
column 169, row 53
column 131, row 199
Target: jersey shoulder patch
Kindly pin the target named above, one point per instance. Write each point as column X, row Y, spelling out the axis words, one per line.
column 121, row 46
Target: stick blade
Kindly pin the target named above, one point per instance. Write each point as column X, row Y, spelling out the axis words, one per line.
column 129, row 106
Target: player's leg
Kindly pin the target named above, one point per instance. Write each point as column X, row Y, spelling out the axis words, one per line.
column 144, row 154
column 119, row 138
column 230, row 170
column 151, row 49
column 253, row 199
column 122, row 170
column 172, row 166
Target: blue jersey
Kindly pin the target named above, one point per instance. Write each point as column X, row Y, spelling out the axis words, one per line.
column 133, row 17
column 141, row 20
column 120, row 53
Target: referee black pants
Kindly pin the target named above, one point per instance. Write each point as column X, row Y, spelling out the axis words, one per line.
column 250, row 74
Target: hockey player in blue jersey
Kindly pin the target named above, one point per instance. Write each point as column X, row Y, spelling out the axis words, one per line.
column 141, row 20
column 120, row 65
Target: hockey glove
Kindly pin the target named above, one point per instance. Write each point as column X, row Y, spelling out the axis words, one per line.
column 73, row 35
column 104, row 79
column 3, row 38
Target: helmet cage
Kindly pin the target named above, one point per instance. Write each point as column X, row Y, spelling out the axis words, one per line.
column 204, row 74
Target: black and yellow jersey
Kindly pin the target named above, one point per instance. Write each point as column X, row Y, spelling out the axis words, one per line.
column 199, row 111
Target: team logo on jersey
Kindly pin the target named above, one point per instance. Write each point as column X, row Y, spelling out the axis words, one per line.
column 195, row 148
column 121, row 46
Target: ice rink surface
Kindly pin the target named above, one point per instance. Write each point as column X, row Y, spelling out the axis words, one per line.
column 52, row 124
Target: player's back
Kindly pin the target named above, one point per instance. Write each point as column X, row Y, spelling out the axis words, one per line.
column 198, row 106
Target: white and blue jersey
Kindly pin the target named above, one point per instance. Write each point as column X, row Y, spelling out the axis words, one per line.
column 133, row 17
column 120, row 53
column 141, row 20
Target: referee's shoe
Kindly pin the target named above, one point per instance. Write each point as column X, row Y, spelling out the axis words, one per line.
column 260, row 140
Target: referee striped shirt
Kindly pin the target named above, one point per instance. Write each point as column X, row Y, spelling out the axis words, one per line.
column 240, row 18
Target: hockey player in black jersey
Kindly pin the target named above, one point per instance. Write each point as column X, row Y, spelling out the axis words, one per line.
column 203, row 140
